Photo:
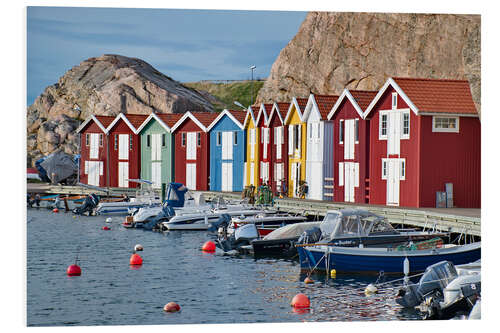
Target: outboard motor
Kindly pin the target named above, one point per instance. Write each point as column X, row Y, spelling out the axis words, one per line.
column 166, row 213
column 223, row 222
column 310, row 236
column 242, row 236
column 88, row 205
column 436, row 277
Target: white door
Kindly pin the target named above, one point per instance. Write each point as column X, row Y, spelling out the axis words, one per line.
column 351, row 180
column 266, row 141
column 227, row 145
column 156, row 174
column 156, row 147
column 123, row 146
column 349, row 139
column 393, row 173
column 295, row 178
column 191, row 176
column 94, row 145
column 123, row 174
column 394, row 132
column 227, row 176
column 252, row 173
column 191, row 146
column 93, row 172
column 278, row 174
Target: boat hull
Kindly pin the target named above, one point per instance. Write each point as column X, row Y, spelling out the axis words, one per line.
column 373, row 261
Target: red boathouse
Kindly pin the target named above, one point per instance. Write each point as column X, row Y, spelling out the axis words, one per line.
column 192, row 149
column 278, row 151
column 425, row 141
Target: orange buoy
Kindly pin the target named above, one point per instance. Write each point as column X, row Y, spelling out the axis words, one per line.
column 55, row 210
column 171, row 307
column 300, row 301
column 106, row 228
column 74, row 270
column 209, row 246
column 308, row 280
column 135, row 259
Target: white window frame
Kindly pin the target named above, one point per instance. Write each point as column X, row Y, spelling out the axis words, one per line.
column 341, row 131
column 394, row 100
column 384, row 168
column 380, row 115
column 403, row 135
column 446, row 130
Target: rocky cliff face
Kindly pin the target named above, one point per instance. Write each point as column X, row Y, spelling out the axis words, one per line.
column 106, row 85
column 333, row 51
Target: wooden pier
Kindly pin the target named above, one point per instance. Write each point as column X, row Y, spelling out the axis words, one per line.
column 456, row 220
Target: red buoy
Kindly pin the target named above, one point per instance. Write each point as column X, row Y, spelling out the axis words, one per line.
column 171, row 307
column 106, row 228
column 55, row 210
column 308, row 280
column 300, row 301
column 135, row 259
column 209, row 246
column 74, row 270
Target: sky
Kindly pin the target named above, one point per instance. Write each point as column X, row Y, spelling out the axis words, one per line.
column 187, row 45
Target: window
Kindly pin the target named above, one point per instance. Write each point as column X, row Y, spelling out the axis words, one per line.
column 148, row 140
column 296, row 134
column 356, row 130
column 219, row 138
column 116, row 141
column 406, row 125
column 235, row 138
column 198, row 139
column 130, row 141
column 403, row 169
column 445, row 124
column 310, row 131
column 100, row 140
column 163, row 140
column 394, row 100
column 87, row 139
column 317, row 133
column 384, row 168
column 276, row 131
column 183, row 139
column 341, row 131
column 383, row 126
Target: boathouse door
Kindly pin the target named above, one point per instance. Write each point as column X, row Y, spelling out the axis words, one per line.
column 191, row 176
column 393, row 177
column 94, row 170
column 123, row 148
column 351, row 180
column 156, row 160
column 122, row 174
column 394, row 132
column 227, row 176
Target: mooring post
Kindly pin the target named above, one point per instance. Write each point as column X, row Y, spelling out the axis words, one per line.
column 163, row 190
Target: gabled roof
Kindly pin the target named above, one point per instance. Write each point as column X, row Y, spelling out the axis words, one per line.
column 322, row 103
column 431, row 96
column 133, row 121
column 280, row 109
column 264, row 111
column 238, row 117
column 101, row 121
column 299, row 104
column 166, row 120
column 360, row 99
column 201, row 119
column 250, row 114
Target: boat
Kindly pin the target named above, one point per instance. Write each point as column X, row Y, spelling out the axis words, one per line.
column 145, row 196
column 267, row 222
column 281, row 242
column 357, row 241
column 444, row 291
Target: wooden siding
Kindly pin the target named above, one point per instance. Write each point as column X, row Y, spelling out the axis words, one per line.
column 296, row 156
column 167, row 156
column 276, row 122
column 225, row 124
column 202, row 155
column 249, row 160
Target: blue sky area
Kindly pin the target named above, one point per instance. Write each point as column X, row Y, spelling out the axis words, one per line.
column 187, row 45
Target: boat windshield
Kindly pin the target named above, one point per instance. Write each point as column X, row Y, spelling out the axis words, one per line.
column 328, row 224
column 172, row 195
column 380, row 225
column 360, row 225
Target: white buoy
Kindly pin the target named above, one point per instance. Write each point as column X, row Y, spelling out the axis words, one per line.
column 138, row 247
column 406, row 270
column 109, row 220
column 371, row 289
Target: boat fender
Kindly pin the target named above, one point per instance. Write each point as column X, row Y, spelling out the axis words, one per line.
column 370, row 289
column 109, row 220
column 300, row 301
column 138, row 247
column 333, row 273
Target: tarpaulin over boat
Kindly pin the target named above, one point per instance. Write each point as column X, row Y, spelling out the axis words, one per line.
column 59, row 166
column 291, row 230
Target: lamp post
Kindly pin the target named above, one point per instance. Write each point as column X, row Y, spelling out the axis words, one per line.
column 252, row 69
column 240, row 105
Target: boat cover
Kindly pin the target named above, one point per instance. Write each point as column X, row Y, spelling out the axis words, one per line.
column 59, row 166
column 291, row 230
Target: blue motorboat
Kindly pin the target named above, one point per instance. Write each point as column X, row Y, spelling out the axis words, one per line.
column 357, row 241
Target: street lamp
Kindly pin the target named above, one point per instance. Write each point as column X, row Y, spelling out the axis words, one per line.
column 252, row 69
column 240, row 105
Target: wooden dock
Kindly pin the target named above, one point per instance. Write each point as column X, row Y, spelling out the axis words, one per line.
column 456, row 220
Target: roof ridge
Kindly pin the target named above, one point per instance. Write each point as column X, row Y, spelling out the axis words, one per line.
column 429, row 79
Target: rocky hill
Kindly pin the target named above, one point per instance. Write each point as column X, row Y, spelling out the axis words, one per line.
column 106, row 85
column 332, row 51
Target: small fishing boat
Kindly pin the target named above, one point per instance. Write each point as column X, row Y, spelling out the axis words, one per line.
column 267, row 222
column 357, row 241
column 146, row 196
